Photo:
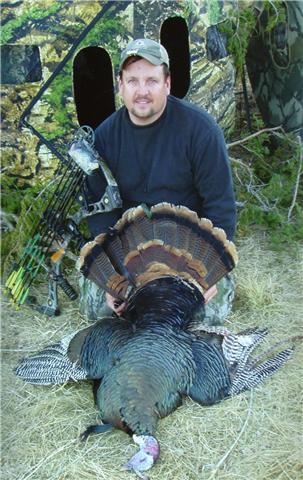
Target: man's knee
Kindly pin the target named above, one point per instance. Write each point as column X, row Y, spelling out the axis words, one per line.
column 217, row 310
column 92, row 300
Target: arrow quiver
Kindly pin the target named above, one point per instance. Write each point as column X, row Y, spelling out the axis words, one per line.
column 56, row 227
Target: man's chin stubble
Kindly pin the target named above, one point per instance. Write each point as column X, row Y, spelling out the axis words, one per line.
column 139, row 114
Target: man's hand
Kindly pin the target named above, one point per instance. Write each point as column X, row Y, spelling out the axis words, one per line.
column 210, row 293
column 115, row 304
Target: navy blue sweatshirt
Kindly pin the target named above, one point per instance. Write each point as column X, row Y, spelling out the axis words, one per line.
column 181, row 158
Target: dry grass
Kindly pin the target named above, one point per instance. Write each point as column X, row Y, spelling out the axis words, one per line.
column 255, row 436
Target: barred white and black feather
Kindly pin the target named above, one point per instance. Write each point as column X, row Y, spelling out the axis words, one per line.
column 51, row 366
column 238, row 347
column 245, row 372
column 251, row 376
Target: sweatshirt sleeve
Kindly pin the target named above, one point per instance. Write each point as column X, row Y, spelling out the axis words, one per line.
column 213, row 181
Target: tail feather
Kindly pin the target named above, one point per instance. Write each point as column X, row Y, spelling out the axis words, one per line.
column 50, row 366
column 167, row 231
column 135, row 228
column 113, row 248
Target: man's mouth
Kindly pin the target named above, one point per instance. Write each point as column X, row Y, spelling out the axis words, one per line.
column 142, row 101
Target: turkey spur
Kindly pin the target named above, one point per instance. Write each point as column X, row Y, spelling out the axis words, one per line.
column 159, row 262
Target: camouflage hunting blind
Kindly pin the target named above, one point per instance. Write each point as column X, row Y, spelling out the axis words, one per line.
column 60, row 61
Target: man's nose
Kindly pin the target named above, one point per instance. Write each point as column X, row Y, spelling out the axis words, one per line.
column 142, row 88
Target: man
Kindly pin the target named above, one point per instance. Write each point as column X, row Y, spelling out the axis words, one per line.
column 160, row 149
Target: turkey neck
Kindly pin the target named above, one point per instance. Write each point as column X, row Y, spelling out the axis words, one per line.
column 165, row 300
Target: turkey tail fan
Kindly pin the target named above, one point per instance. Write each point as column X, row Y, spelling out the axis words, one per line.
column 50, row 366
column 145, row 245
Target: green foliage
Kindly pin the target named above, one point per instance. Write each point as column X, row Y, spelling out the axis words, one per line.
column 14, row 198
column 26, row 209
column 275, row 13
column 238, row 29
column 265, row 185
column 266, row 180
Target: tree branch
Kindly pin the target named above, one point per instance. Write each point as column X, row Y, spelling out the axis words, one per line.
column 256, row 134
column 297, row 180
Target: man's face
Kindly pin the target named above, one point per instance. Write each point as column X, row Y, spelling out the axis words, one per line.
column 144, row 90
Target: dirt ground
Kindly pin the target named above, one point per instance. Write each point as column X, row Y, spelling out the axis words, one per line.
column 255, row 436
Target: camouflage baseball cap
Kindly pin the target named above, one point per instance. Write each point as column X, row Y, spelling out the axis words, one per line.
column 152, row 51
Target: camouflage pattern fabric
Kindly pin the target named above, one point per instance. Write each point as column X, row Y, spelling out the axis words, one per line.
column 93, row 303
column 92, row 300
column 217, row 310
column 50, row 28
column 275, row 69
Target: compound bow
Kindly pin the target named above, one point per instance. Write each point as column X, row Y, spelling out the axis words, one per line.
column 56, row 228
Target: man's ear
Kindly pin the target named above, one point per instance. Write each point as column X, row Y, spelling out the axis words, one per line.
column 168, row 84
column 119, row 84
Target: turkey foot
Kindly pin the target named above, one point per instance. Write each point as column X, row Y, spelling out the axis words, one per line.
column 95, row 429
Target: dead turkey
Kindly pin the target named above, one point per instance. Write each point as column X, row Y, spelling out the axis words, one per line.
column 160, row 262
